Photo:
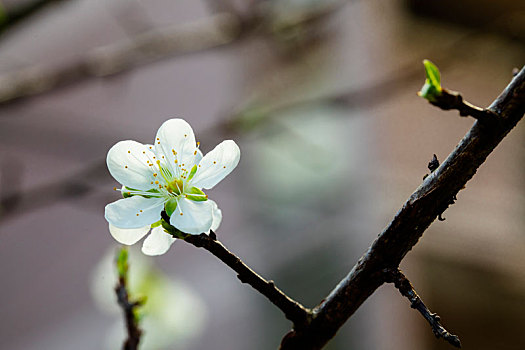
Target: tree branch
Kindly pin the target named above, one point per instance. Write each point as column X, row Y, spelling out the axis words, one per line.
column 217, row 30
column 134, row 332
column 128, row 306
column 430, row 199
column 453, row 100
column 404, row 286
column 22, row 12
column 293, row 311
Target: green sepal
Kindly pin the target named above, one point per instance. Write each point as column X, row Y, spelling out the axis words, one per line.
column 192, row 172
column 3, row 14
column 126, row 194
column 432, row 87
column 122, row 263
column 156, row 224
column 174, row 232
column 170, row 206
column 199, row 195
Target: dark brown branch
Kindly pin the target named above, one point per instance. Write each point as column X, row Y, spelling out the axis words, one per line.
column 132, row 327
column 404, row 286
column 430, row 199
column 217, row 30
column 453, row 100
column 293, row 311
column 23, row 12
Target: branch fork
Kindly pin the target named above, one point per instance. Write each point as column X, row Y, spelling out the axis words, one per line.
column 313, row 328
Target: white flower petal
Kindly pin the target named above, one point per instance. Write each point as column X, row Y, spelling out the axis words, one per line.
column 176, row 135
column 198, row 156
column 217, row 164
column 158, row 242
column 128, row 236
column 196, row 217
column 128, row 163
column 217, row 216
column 123, row 213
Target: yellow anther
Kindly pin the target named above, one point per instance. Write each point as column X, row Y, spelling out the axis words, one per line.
column 176, row 161
column 181, row 214
column 155, row 174
column 152, row 182
column 156, row 182
column 114, row 188
column 198, row 143
column 195, row 153
column 141, row 211
column 158, row 139
column 185, row 135
column 125, row 166
column 137, row 214
column 224, row 167
column 129, row 151
column 214, row 162
column 143, row 152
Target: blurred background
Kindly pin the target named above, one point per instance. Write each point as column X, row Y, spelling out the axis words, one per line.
column 321, row 98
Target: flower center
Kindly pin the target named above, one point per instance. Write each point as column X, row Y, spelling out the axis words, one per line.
column 176, row 187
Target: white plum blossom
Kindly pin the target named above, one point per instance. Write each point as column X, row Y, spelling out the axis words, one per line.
column 167, row 175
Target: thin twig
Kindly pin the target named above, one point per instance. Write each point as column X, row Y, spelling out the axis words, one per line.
column 292, row 310
column 128, row 307
column 416, row 215
column 159, row 43
column 23, row 12
column 370, row 95
column 453, row 100
column 217, row 30
column 134, row 332
column 404, row 286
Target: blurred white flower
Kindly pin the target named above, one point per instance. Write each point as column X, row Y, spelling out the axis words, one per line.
column 172, row 315
column 168, row 175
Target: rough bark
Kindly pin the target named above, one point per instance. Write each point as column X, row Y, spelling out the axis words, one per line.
column 431, row 199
